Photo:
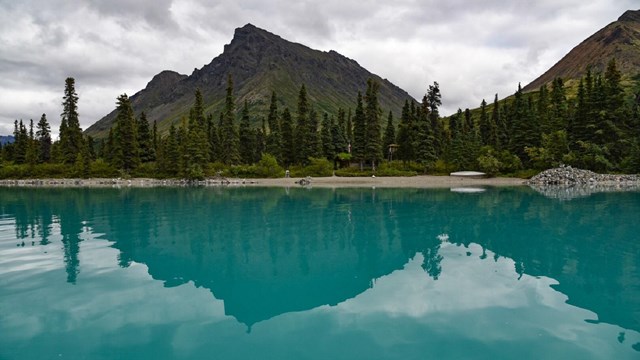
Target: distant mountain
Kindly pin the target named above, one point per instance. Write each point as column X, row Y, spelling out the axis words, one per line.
column 6, row 139
column 259, row 62
column 619, row 40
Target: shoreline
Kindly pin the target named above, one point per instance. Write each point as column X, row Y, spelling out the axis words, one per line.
column 420, row 181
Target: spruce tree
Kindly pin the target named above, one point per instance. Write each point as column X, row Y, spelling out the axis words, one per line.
column 559, row 107
column 424, row 138
column 145, row 140
column 373, row 147
column 260, row 142
column 198, row 139
column 288, row 144
column 126, row 151
column 247, row 137
column 544, row 116
column 501, row 126
column 328, row 150
column 71, row 135
column 389, row 136
column 213, row 139
column 359, row 145
column 31, row 155
column 348, row 132
column 434, row 100
column 274, row 136
column 302, row 136
column 314, row 144
column 171, row 152
column 229, row 141
column 406, row 135
column 485, row 124
column 339, row 133
column 43, row 135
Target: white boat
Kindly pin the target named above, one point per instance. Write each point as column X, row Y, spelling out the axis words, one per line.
column 469, row 174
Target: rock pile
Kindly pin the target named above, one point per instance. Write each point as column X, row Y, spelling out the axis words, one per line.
column 566, row 175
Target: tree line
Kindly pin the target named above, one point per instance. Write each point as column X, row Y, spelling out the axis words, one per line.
column 596, row 128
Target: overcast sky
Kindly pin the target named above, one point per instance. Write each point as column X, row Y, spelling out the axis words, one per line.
column 474, row 49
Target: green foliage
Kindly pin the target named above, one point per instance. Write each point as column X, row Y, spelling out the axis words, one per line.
column 385, row 169
column 552, row 152
column 268, row 167
column 318, row 167
column 102, row 169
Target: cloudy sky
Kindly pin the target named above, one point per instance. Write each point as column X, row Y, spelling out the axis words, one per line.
column 474, row 49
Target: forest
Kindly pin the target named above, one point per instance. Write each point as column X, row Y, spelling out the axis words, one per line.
column 592, row 123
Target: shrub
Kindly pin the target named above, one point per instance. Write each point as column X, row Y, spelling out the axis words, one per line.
column 268, row 167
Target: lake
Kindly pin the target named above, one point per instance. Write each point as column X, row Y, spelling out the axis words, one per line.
column 276, row 273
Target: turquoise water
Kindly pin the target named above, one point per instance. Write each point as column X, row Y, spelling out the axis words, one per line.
column 253, row 273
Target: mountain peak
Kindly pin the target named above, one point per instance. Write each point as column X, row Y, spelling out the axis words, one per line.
column 630, row 15
column 617, row 40
column 259, row 62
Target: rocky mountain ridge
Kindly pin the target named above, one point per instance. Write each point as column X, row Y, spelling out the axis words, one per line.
column 259, row 62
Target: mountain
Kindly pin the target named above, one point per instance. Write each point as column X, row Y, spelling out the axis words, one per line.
column 619, row 40
column 259, row 62
column 6, row 139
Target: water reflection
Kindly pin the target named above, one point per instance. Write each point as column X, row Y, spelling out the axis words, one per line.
column 257, row 251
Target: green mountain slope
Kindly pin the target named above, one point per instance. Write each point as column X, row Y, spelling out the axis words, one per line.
column 259, row 62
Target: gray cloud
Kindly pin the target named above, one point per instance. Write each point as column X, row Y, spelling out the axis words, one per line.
column 473, row 49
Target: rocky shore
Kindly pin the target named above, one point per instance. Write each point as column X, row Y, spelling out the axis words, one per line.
column 566, row 183
column 567, row 175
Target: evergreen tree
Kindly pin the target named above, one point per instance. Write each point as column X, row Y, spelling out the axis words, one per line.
column 373, row 147
column 359, row 145
column 155, row 136
column 314, row 143
column 424, row 139
column 501, row 126
column 43, row 135
column 434, row 101
column 247, row 137
column 229, row 141
column 171, row 152
column 579, row 125
column 544, row 116
column 212, row 139
column 126, row 151
column 109, row 148
column 31, row 155
column 328, row 150
column 70, row 131
column 559, row 107
column 349, row 130
column 288, row 144
column 145, row 140
column 303, row 146
column 405, row 135
column 260, row 142
column 274, row 136
column 389, row 135
column 20, row 142
column 197, row 140
column 339, row 133
column 485, row 124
